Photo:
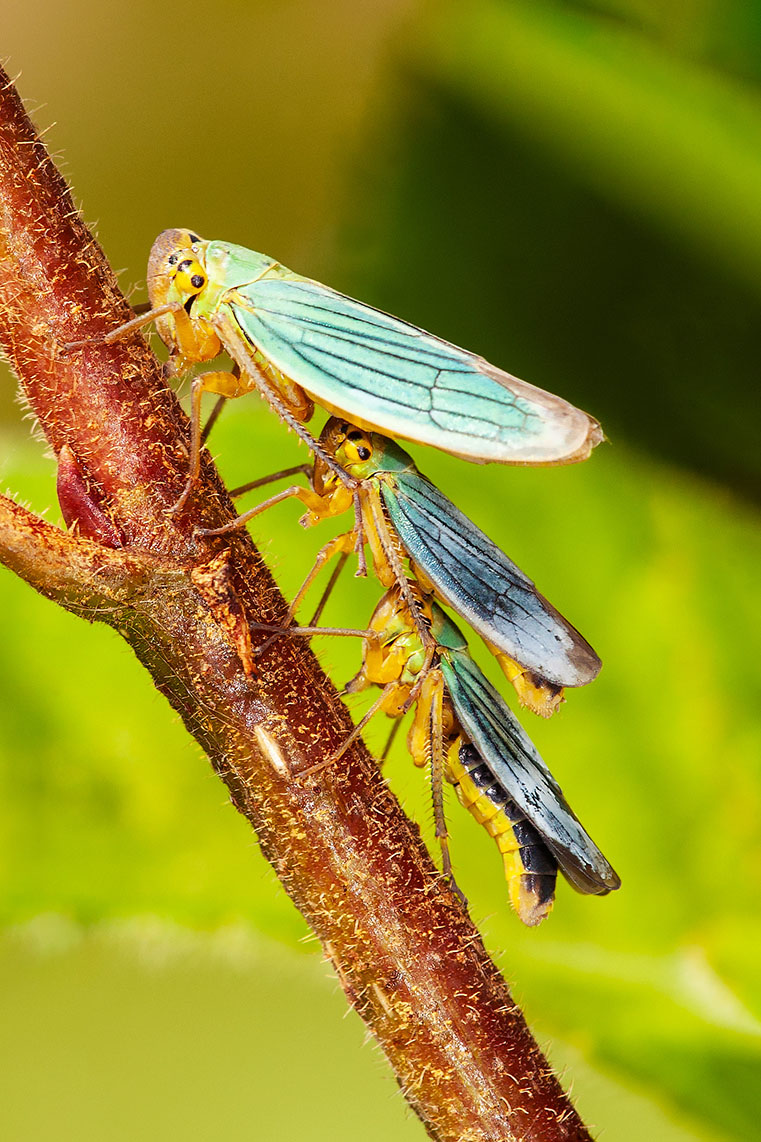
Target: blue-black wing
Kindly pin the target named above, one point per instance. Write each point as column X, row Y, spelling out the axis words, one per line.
column 508, row 752
column 487, row 589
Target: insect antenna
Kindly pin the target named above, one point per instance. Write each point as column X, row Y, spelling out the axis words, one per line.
column 283, row 474
column 214, row 415
column 395, row 727
column 334, row 576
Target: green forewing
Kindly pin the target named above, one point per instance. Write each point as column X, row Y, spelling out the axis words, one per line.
column 392, row 376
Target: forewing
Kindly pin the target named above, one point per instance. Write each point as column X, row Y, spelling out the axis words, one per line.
column 388, row 375
column 513, row 759
column 486, row 588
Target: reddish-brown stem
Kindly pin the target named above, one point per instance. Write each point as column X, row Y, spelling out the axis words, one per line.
column 408, row 957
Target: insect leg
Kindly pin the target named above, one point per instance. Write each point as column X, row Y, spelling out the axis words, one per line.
column 226, row 385
column 297, row 469
column 426, row 742
column 311, row 631
column 359, row 532
column 334, row 576
column 239, row 352
column 341, row 544
column 239, row 521
column 123, row 330
column 214, row 416
column 396, row 725
column 385, row 693
column 393, row 561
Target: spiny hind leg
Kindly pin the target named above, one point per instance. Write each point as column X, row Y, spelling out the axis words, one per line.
column 426, row 744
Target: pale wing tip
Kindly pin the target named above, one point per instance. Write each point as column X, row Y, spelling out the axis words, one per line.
column 580, row 662
column 586, row 663
column 569, row 434
column 593, row 436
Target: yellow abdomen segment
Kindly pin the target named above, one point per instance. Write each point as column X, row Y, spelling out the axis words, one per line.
column 530, row 868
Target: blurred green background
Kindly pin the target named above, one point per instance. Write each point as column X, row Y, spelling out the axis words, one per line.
column 573, row 190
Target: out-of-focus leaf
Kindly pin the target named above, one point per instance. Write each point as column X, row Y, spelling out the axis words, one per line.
column 556, row 235
column 666, row 137
column 145, row 1006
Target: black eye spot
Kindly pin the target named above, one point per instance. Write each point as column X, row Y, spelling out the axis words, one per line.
column 197, row 281
column 355, row 435
column 172, row 259
column 364, row 453
column 194, row 238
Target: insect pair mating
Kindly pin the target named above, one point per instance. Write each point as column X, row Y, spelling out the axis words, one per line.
column 297, row 341
column 462, row 727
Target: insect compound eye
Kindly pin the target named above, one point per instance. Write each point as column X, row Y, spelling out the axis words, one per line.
column 190, row 278
column 361, row 443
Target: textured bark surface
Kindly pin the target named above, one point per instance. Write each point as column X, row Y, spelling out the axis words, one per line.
column 408, row 957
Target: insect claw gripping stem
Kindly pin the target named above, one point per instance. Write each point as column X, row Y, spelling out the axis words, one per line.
column 196, row 393
column 179, row 504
